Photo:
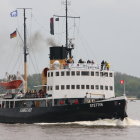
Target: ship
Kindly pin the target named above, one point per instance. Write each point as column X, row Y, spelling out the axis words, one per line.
column 69, row 92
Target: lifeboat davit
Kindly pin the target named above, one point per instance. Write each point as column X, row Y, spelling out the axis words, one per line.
column 12, row 84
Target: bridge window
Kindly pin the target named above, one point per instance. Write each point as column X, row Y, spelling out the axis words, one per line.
column 101, row 74
column 57, row 87
column 68, row 86
column 85, row 73
column 97, row 73
column 101, row 87
column 92, row 73
column 111, row 87
column 51, row 74
column 82, row 86
column 78, row 86
column 72, row 86
column 62, row 87
column 106, row 74
column 73, row 73
column 78, row 73
column 110, row 74
column 62, row 73
column 92, row 86
column 106, row 87
column 97, row 87
column 87, row 86
column 68, row 73
column 57, row 73
column 51, row 88
column 48, row 74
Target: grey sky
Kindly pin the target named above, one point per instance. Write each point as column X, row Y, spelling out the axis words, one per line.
column 107, row 29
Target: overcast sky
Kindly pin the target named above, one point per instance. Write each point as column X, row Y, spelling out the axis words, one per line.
column 107, row 29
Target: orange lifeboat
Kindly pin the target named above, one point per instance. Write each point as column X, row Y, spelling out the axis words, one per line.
column 12, row 84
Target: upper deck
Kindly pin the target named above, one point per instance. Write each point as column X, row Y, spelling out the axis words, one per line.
column 73, row 80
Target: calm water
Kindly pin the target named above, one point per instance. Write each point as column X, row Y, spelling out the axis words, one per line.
column 96, row 130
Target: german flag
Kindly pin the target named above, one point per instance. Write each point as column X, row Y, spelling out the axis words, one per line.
column 14, row 34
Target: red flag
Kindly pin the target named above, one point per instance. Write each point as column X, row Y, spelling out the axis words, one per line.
column 121, row 82
column 52, row 26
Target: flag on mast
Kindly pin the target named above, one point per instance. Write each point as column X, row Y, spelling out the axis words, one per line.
column 14, row 34
column 14, row 13
column 52, row 26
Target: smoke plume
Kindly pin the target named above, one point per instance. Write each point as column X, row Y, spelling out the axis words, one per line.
column 51, row 42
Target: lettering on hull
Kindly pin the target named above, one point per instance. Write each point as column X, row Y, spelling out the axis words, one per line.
column 96, row 105
column 25, row 110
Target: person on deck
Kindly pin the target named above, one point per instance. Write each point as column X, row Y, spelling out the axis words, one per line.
column 107, row 66
column 102, row 65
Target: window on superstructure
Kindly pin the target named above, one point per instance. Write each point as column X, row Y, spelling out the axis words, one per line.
column 78, row 73
column 68, row 86
column 110, row 74
column 92, row 86
column 62, row 73
column 77, row 86
column 62, row 87
column 111, row 87
column 82, row 86
column 106, row 74
column 92, row 73
column 73, row 73
column 57, row 73
column 51, row 88
column 97, row 87
column 68, row 73
column 101, row 74
column 48, row 74
column 48, row 88
column 97, row 73
column 56, row 87
column 106, row 87
column 101, row 87
column 85, row 73
column 87, row 86
column 51, row 74
column 72, row 86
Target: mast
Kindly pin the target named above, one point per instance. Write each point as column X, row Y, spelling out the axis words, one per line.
column 69, row 47
column 25, row 54
column 25, row 50
column 66, row 24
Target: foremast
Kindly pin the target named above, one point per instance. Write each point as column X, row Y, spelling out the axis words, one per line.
column 25, row 51
column 25, row 54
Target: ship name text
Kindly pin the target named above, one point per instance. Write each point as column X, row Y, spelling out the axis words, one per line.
column 96, row 105
column 26, row 110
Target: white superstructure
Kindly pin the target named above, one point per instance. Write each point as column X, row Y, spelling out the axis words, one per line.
column 80, row 81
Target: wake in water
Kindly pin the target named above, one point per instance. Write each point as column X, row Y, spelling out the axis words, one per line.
column 105, row 122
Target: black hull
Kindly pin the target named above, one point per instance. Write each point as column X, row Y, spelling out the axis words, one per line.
column 104, row 109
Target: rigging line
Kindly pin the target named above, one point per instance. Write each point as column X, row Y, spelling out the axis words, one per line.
column 83, row 46
column 33, row 63
column 20, row 64
column 16, row 63
column 11, row 56
column 19, row 35
column 83, row 38
column 31, row 29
